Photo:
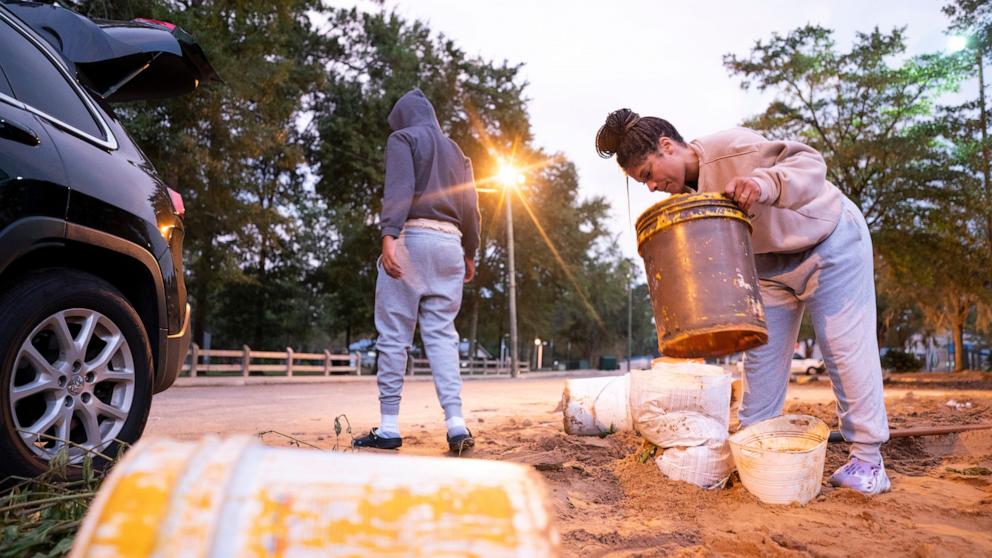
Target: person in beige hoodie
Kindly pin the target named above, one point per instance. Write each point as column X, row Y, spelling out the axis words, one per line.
column 812, row 252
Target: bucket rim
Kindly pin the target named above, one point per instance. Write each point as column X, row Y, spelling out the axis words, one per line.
column 746, row 443
column 668, row 345
column 665, row 213
column 817, row 430
column 663, row 223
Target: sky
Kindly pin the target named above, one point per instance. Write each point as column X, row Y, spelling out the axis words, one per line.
column 583, row 59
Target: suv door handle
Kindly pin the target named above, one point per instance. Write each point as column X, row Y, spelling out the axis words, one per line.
column 15, row 131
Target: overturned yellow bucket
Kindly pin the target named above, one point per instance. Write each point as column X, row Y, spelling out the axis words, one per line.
column 236, row 497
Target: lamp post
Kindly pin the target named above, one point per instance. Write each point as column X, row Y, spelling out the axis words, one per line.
column 539, row 346
column 511, row 177
column 630, row 317
column 956, row 43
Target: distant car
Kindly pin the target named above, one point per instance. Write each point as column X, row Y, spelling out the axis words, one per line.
column 808, row 366
column 799, row 365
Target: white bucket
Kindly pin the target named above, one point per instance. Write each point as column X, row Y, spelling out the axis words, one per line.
column 596, row 406
column 780, row 460
column 683, row 386
column 707, row 466
column 237, row 497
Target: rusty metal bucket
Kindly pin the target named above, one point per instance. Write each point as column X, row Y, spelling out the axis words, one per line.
column 700, row 270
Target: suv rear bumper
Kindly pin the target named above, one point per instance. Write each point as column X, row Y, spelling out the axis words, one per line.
column 176, row 346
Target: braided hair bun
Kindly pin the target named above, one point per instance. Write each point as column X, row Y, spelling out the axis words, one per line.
column 611, row 134
column 631, row 138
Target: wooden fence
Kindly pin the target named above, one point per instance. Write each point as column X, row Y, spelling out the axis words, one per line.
column 478, row 366
column 228, row 362
column 246, row 362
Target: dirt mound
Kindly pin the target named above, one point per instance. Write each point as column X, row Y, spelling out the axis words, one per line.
column 609, row 503
column 968, row 380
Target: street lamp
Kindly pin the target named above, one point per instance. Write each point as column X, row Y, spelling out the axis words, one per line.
column 630, row 315
column 539, row 347
column 957, row 43
column 511, row 178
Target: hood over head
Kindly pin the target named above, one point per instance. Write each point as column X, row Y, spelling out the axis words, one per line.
column 413, row 109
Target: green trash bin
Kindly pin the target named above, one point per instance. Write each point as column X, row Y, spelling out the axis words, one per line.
column 608, row 363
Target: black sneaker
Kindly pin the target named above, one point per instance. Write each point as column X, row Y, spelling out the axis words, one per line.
column 373, row 440
column 461, row 443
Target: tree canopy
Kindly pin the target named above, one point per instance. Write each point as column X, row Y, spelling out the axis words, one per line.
column 281, row 167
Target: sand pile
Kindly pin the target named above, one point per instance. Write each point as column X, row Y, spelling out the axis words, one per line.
column 608, row 503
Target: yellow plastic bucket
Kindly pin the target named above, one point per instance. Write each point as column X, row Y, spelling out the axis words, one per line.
column 236, row 497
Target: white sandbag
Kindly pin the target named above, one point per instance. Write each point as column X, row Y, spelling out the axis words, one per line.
column 596, row 406
column 683, row 386
column 707, row 466
column 678, row 428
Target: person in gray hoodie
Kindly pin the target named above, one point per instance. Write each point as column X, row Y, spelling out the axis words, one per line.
column 430, row 234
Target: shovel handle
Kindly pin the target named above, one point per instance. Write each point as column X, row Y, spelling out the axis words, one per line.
column 921, row 431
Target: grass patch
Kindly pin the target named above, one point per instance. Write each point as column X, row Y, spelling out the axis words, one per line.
column 39, row 517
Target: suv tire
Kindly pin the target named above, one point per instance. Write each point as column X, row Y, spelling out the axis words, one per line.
column 83, row 371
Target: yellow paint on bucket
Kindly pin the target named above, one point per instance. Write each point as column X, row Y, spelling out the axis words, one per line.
column 238, row 498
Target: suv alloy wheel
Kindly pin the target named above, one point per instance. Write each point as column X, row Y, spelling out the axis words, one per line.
column 75, row 369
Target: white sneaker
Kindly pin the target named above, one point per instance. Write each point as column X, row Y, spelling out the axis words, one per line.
column 865, row 477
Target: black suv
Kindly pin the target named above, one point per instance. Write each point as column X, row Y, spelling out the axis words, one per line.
column 93, row 312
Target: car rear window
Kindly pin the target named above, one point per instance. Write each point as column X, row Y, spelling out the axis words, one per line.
column 35, row 81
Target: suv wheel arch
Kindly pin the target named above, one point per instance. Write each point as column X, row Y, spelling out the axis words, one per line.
column 46, row 242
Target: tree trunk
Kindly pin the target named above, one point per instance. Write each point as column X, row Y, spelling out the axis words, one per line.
column 986, row 171
column 201, row 294
column 206, row 266
column 473, row 327
column 260, row 297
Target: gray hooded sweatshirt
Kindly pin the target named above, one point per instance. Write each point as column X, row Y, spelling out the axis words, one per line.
column 427, row 175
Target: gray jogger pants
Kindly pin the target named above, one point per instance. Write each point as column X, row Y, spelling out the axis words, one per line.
column 835, row 280
column 430, row 291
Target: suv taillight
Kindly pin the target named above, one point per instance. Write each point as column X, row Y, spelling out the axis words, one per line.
column 166, row 24
column 177, row 203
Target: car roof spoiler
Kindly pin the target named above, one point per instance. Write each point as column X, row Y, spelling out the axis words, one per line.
column 121, row 61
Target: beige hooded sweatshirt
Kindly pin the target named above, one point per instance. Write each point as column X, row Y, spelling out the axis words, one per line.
column 798, row 207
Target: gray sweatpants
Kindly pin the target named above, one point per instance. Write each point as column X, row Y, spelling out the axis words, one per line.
column 430, row 291
column 835, row 280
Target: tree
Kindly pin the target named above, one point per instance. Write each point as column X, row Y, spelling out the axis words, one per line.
column 966, row 126
column 861, row 111
column 908, row 164
column 281, row 168
column 235, row 153
column 935, row 269
column 382, row 56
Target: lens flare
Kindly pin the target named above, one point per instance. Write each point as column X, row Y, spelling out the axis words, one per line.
column 564, row 266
